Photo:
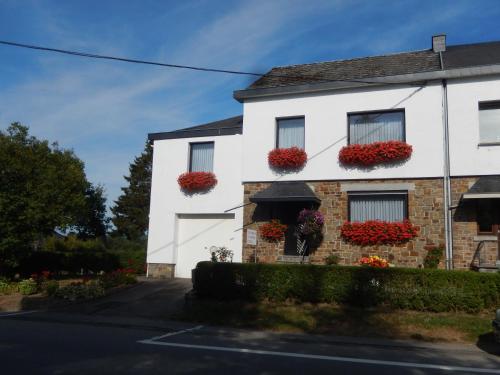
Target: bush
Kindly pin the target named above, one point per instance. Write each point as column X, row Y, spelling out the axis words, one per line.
column 402, row 288
column 7, row 287
column 433, row 257
column 28, row 287
column 117, row 278
column 79, row 291
column 332, row 259
column 50, row 287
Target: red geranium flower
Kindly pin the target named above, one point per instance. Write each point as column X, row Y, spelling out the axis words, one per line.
column 287, row 158
column 272, row 231
column 375, row 153
column 376, row 232
column 197, row 181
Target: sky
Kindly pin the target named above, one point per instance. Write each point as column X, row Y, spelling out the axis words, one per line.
column 104, row 110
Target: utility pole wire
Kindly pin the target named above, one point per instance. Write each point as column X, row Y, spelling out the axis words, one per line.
column 189, row 67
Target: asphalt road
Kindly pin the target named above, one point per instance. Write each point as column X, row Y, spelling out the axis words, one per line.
column 50, row 343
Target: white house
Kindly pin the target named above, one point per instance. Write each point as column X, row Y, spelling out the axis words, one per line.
column 444, row 102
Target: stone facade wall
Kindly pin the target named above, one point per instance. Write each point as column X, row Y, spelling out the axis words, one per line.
column 161, row 270
column 465, row 237
column 425, row 209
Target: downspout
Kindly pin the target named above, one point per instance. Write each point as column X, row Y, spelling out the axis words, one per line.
column 447, row 180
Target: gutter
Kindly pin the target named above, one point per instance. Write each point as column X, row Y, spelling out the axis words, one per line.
column 448, row 224
column 404, row 79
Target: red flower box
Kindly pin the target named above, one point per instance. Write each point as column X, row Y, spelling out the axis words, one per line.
column 376, row 232
column 375, row 153
column 287, row 158
column 272, row 231
column 197, row 181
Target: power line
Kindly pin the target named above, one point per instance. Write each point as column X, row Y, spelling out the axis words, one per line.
column 178, row 66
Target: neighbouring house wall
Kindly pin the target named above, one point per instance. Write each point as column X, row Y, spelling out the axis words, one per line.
column 425, row 209
column 170, row 159
column 326, row 132
column 465, row 237
column 467, row 158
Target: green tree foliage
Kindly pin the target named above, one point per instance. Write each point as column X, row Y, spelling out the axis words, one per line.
column 92, row 221
column 42, row 187
column 131, row 210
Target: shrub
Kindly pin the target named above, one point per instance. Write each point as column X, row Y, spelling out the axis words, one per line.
column 28, row 287
column 287, row 158
column 122, row 276
column 197, row 181
column 374, row 232
column 433, row 257
column 79, row 291
column 374, row 153
column 332, row 260
column 7, row 287
column 272, row 231
column 401, row 288
column 50, row 287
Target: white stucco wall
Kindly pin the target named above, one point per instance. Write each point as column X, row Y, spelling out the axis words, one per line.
column 326, row 132
column 466, row 156
column 170, row 159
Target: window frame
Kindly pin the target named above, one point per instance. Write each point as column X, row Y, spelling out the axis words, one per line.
column 372, row 112
column 190, row 154
column 485, row 105
column 277, row 128
column 372, row 193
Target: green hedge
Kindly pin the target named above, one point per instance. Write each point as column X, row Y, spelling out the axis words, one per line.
column 72, row 262
column 404, row 288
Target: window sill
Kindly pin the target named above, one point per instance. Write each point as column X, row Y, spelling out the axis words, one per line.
column 485, row 237
column 486, row 144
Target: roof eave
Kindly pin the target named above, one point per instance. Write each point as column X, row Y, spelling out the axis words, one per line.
column 404, row 79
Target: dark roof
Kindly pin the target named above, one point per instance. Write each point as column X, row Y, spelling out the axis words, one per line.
column 285, row 191
column 229, row 126
column 485, row 185
column 459, row 56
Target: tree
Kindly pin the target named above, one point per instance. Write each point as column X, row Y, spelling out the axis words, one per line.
column 42, row 187
column 131, row 210
column 92, row 221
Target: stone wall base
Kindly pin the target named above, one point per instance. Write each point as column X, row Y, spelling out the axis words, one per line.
column 161, row 270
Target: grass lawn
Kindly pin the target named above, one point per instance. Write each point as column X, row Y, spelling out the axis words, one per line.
column 340, row 320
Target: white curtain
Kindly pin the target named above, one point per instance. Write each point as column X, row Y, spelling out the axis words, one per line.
column 489, row 125
column 376, row 127
column 377, row 207
column 291, row 133
column 202, row 157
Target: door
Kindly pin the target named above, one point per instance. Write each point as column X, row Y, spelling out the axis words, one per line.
column 196, row 233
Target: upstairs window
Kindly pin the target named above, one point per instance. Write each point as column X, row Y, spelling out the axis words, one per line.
column 201, row 157
column 383, row 206
column 290, row 132
column 489, row 122
column 370, row 127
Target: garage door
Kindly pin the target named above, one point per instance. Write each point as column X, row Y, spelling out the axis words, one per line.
column 196, row 234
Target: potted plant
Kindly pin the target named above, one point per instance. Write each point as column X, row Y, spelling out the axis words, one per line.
column 197, row 181
column 367, row 155
column 287, row 158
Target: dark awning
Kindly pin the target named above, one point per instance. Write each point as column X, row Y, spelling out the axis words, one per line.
column 296, row 191
column 485, row 187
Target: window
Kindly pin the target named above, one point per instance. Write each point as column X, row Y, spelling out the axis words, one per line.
column 201, row 157
column 372, row 127
column 384, row 206
column 290, row 132
column 487, row 219
column 489, row 122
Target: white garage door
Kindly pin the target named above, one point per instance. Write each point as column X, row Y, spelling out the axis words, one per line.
column 196, row 234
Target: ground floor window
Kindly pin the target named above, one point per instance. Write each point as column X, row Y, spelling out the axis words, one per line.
column 488, row 216
column 383, row 206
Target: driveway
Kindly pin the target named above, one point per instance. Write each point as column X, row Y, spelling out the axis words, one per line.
column 149, row 299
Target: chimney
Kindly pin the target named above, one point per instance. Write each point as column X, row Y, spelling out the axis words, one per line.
column 439, row 43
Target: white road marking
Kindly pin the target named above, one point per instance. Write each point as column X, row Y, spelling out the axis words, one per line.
column 174, row 333
column 323, row 357
column 17, row 313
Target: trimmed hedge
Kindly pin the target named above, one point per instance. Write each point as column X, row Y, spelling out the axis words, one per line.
column 72, row 262
column 402, row 288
